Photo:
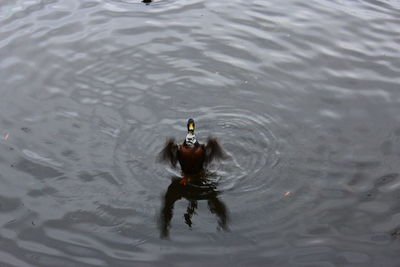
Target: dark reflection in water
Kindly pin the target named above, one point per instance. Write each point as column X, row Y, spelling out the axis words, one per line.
column 201, row 189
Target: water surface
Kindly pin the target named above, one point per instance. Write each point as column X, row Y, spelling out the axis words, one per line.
column 303, row 95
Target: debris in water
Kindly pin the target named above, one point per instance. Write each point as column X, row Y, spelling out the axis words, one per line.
column 287, row 193
column 395, row 232
column 6, row 136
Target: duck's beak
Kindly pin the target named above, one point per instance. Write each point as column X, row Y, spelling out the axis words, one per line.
column 191, row 127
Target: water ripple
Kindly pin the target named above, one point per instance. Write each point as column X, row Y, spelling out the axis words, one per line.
column 303, row 96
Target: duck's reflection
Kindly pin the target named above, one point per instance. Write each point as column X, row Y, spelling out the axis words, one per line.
column 201, row 189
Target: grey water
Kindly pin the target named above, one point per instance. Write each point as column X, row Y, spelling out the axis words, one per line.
column 302, row 95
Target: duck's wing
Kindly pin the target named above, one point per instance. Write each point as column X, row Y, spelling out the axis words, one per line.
column 169, row 153
column 213, row 150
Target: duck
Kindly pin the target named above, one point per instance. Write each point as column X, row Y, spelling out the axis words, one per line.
column 193, row 157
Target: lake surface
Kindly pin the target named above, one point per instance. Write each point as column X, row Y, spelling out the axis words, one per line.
column 303, row 96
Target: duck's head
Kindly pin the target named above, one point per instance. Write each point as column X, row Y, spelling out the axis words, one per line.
column 190, row 137
column 190, row 125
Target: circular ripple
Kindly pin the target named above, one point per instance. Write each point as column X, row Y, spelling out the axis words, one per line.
column 251, row 144
column 247, row 138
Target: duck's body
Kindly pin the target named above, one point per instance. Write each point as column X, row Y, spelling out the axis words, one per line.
column 192, row 156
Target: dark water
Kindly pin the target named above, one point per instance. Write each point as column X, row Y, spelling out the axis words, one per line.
column 303, row 95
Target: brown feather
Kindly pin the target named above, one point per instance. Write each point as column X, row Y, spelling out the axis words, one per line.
column 169, row 153
column 191, row 158
column 213, row 150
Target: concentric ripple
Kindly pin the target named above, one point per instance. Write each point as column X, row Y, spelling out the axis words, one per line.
column 249, row 141
column 247, row 137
